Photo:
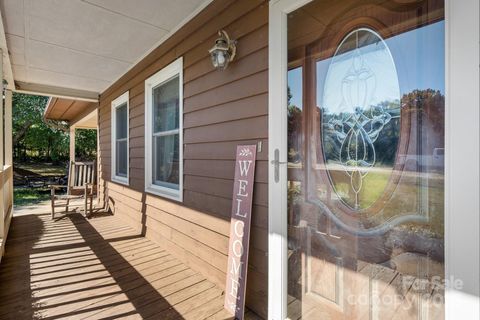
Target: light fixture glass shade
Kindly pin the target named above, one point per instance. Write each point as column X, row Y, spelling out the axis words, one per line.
column 213, row 57
column 220, row 59
column 222, row 52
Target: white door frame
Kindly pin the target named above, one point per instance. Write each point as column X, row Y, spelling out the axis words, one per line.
column 277, row 151
column 462, row 158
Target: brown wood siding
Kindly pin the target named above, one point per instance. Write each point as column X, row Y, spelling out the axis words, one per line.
column 221, row 110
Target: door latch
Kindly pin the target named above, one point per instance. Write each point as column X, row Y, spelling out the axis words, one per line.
column 276, row 163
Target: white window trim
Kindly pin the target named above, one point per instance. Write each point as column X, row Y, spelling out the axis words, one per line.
column 173, row 69
column 124, row 98
column 462, row 187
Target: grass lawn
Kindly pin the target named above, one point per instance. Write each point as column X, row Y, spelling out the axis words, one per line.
column 27, row 196
column 373, row 186
column 44, row 169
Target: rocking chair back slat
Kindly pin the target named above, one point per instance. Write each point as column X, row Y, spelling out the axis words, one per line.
column 81, row 173
column 82, row 183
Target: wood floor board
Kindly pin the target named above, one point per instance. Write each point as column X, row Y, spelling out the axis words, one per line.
column 98, row 268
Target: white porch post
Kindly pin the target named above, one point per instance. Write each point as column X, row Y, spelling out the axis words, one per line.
column 6, row 161
column 8, row 129
column 8, row 153
column 6, row 194
column 72, row 143
column 99, row 201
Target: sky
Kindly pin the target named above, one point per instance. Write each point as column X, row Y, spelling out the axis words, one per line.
column 294, row 78
column 418, row 61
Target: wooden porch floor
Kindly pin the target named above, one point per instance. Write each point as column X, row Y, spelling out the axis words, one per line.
column 97, row 268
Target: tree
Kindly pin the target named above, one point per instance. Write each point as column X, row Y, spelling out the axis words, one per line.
column 27, row 110
column 35, row 138
column 86, row 144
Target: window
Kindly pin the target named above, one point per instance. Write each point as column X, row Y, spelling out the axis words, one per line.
column 120, row 139
column 163, row 132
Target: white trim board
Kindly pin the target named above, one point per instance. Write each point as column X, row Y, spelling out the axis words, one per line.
column 462, row 161
column 56, row 92
column 121, row 100
column 277, row 135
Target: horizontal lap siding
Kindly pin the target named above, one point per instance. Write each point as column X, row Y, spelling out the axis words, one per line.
column 221, row 110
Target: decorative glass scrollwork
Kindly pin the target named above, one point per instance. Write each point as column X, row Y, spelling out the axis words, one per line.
column 361, row 97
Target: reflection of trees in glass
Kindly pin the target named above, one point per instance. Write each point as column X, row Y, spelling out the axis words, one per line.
column 294, row 114
column 421, row 125
column 385, row 143
column 430, row 106
column 430, row 103
column 358, row 140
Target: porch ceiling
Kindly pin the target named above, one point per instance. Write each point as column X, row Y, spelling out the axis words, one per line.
column 85, row 45
column 80, row 113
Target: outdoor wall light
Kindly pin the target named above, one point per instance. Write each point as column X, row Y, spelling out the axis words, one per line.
column 223, row 51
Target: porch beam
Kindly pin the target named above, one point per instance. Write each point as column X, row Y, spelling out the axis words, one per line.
column 58, row 92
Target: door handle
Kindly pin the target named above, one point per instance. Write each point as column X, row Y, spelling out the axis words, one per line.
column 276, row 164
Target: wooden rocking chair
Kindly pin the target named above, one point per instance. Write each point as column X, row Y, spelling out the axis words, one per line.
column 82, row 181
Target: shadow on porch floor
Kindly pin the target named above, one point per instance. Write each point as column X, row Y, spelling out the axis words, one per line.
column 97, row 268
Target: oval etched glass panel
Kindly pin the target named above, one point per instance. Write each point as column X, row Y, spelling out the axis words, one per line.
column 360, row 118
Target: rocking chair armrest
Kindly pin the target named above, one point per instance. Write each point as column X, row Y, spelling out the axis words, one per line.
column 54, row 187
column 57, row 186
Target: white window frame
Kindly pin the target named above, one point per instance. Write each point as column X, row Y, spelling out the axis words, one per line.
column 462, row 156
column 173, row 69
column 124, row 98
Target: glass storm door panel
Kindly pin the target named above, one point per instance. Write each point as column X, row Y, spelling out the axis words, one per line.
column 366, row 100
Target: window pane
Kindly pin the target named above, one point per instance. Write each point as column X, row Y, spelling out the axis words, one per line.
column 121, row 119
column 166, row 161
column 165, row 106
column 121, row 156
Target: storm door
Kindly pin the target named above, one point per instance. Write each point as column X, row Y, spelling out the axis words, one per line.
column 365, row 108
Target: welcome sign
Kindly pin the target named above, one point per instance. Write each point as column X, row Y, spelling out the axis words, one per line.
column 240, row 230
